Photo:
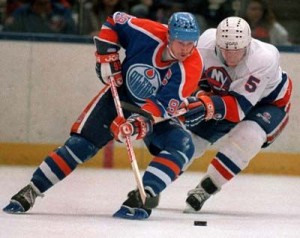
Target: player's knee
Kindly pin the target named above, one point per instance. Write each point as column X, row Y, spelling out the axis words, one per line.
column 248, row 131
column 200, row 145
column 80, row 148
column 243, row 143
column 185, row 145
column 181, row 151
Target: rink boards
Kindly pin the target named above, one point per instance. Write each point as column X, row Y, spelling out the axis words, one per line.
column 50, row 83
column 278, row 163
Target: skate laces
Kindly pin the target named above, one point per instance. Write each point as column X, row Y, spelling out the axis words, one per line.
column 29, row 193
column 199, row 193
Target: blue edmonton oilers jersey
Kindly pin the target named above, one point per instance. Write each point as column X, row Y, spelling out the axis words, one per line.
column 163, row 83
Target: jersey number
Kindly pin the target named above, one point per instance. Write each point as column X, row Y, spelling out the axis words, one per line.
column 251, row 84
column 173, row 106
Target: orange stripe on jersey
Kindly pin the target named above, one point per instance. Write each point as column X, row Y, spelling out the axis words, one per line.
column 64, row 167
column 193, row 67
column 151, row 107
column 232, row 111
column 285, row 100
column 221, row 169
column 108, row 34
column 80, row 119
column 168, row 163
column 154, row 29
column 110, row 20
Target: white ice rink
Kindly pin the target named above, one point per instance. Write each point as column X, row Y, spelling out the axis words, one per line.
column 82, row 205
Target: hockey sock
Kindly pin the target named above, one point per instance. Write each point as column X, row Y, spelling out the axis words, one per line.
column 61, row 162
column 163, row 170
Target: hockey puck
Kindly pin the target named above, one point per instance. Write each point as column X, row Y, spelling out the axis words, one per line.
column 200, row 223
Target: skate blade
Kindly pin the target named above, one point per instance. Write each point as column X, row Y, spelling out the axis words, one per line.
column 131, row 213
column 14, row 207
column 189, row 209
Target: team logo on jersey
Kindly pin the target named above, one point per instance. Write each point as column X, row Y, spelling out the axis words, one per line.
column 142, row 81
column 219, row 80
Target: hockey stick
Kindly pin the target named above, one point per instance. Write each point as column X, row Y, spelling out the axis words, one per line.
column 129, row 146
column 132, row 108
column 135, row 109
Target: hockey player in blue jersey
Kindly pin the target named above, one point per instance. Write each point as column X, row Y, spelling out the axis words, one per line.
column 162, row 67
column 249, row 97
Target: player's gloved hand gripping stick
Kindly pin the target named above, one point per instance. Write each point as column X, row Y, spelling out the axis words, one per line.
column 132, row 108
column 128, row 143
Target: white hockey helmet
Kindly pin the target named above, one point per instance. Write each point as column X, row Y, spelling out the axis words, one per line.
column 233, row 33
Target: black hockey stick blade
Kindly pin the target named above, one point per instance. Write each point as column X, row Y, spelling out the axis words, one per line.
column 135, row 109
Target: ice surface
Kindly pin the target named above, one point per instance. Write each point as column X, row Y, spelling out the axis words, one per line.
column 82, row 205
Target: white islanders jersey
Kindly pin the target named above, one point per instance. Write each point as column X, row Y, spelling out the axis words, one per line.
column 258, row 78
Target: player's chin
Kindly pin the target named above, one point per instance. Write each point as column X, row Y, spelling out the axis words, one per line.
column 182, row 57
column 232, row 64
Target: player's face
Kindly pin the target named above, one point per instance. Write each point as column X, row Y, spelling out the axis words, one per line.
column 233, row 57
column 181, row 49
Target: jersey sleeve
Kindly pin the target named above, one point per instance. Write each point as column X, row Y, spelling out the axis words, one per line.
column 114, row 29
column 126, row 30
column 108, row 32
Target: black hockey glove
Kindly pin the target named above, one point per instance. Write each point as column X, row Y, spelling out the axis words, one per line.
column 198, row 109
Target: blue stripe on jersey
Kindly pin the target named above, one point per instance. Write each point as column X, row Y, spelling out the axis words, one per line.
column 228, row 163
column 274, row 94
column 243, row 102
column 219, row 107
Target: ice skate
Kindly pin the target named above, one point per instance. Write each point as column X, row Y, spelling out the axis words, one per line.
column 23, row 200
column 133, row 208
column 197, row 197
column 195, row 200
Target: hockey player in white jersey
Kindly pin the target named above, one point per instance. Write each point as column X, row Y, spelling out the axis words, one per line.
column 244, row 95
